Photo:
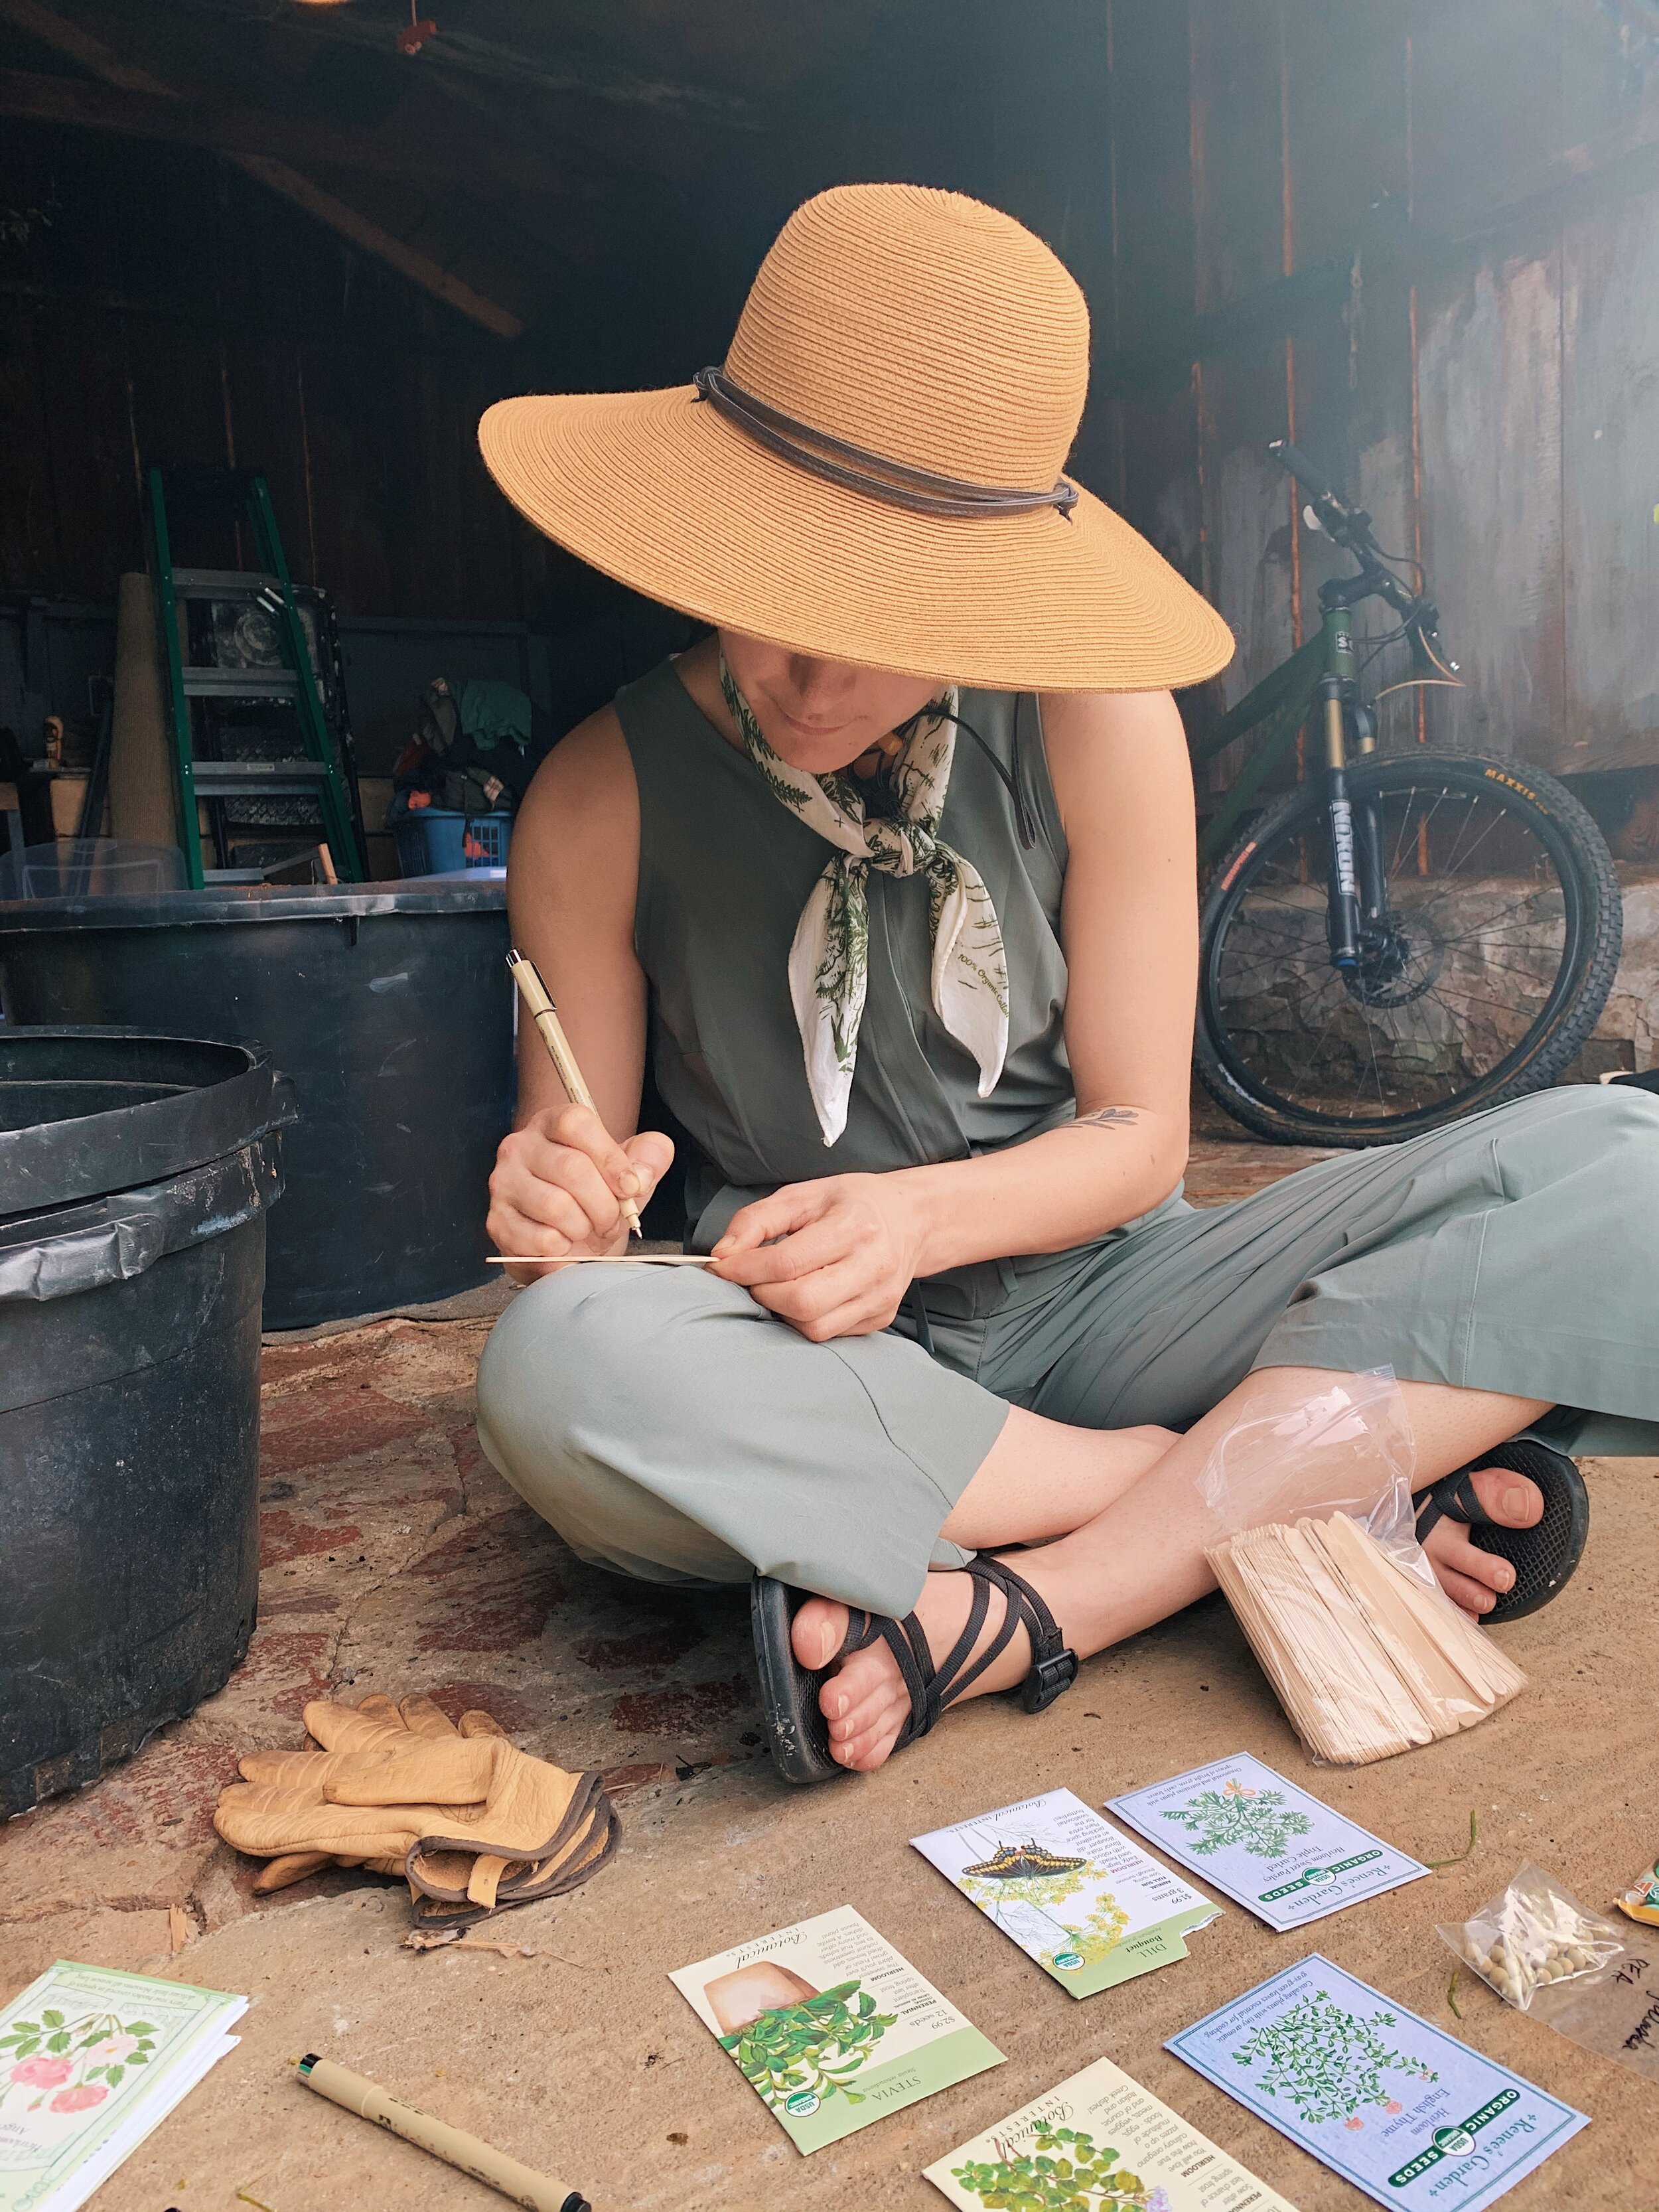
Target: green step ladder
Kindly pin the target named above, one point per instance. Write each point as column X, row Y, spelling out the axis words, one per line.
column 314, row 772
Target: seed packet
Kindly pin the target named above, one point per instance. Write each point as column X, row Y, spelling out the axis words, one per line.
column 1073, row 1892
column 91, row 2060
column 1285, row 1856
column 1403, row 2111
column 831, row 2027
column 1099, row 2144
column 1641, row 1901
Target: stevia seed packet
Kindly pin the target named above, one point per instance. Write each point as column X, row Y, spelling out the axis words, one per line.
column 831, row 2027
column 1073, row 1892
column 1283, row 1855
column 1406, row 2113
column 1099, row 2144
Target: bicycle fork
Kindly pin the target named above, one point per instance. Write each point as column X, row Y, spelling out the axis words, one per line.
column 1356, row 889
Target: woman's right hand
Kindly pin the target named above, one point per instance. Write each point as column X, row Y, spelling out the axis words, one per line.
column 558, row 1184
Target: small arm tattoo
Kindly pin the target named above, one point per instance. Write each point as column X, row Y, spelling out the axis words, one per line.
column 1106, row 1117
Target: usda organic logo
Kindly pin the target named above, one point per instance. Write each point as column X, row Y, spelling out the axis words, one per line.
column 1453, row 2143
column 801, row 2104
column 1067, row 1961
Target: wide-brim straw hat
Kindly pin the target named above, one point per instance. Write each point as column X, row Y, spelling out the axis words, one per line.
column 875, row 475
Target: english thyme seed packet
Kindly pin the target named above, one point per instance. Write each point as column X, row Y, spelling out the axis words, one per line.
column 831, row 2027
column 1099, row 2144
column 1283, row 1855
column 1073, row 1892
column 1406, row 2112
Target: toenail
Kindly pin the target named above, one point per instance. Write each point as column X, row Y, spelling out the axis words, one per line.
column 1515, row 1499
column 1504, row 1578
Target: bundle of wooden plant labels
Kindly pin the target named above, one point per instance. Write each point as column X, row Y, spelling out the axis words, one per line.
column 1367, row 1654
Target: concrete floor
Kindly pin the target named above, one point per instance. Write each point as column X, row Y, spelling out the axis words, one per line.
column 396, row 1559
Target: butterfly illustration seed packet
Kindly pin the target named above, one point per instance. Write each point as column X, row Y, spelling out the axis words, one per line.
column 1099, row 2141
column 1393, row 2105
column 1074, row 1892
column 1281, row 1854
column 831, row 2027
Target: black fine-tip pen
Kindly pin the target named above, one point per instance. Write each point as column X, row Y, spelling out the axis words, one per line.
column 467, row 2153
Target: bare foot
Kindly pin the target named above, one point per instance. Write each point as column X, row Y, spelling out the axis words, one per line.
column 1472, row 1578
column 865, row 1701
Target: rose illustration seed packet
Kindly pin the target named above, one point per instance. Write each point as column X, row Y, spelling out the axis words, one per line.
column 1404, row 2111
column 831, row 2027
column 90, row 2061
column 1101, row 2143
column 1073, row 1892
column 1285, row 1856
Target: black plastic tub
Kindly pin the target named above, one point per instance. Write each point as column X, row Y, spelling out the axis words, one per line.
column 135, row 1175
column 387, row 1006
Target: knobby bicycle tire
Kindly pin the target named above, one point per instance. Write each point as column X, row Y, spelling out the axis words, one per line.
column 1592, row 931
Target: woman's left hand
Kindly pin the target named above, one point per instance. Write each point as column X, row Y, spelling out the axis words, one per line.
column 832, row 1258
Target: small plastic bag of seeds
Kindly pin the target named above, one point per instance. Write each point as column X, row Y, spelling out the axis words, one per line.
column 1532, row 1935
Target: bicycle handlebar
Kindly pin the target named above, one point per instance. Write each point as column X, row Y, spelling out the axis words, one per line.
column 1304, row 471
column 1348, row 526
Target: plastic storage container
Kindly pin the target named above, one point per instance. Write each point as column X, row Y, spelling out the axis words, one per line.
column 390, row 1008
column 135, row 1175
column 432, row 841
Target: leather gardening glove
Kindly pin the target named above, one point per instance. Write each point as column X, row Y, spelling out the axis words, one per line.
column 472, row 1821
column 527, row 1828
column 290, row 1787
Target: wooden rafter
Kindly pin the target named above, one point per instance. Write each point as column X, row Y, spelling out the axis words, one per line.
column 269, row 168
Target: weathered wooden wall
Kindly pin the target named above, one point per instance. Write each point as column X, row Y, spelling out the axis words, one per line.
column 1420, row 236
column 163, row 307
column 1423, row 241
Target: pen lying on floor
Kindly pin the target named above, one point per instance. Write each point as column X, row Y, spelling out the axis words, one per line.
column 357, row 2094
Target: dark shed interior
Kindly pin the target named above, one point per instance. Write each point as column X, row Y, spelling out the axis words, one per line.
column 1416, row 239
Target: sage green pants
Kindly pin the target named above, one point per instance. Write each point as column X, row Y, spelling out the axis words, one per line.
column 666, row 1425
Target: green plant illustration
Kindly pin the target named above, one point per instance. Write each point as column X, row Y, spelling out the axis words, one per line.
column 1087, row 1943
column 811, row 2049
column 1062, row 2172
column 1327, row 2061
column 1253, row 1821
column 71, row 2065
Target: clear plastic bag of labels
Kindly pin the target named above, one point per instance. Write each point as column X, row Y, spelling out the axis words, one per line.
column 1317, row 1553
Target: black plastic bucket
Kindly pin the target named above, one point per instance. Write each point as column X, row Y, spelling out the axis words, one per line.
column 135, row 1173
column 389, row 1007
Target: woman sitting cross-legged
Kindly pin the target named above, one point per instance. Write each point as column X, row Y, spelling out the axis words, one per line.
column 893, row 878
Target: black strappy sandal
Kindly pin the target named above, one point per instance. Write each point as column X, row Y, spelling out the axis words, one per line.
column 796, row 1730
column 1543, row 1556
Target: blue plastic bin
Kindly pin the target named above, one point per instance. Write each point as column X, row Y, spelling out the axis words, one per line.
column 432, row 841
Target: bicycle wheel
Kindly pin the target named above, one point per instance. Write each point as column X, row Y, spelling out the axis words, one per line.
column 1487, row 970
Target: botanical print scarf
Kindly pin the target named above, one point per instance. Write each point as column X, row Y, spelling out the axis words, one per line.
column 829, row 959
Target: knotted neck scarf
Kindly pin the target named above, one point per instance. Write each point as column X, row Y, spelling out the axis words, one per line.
column 830, row 958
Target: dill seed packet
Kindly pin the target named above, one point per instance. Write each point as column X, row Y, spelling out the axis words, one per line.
column 831, row 2027
column 1124, row 2150
column 1073, row 1892
column 1401, row 2110
column 1281, row 1854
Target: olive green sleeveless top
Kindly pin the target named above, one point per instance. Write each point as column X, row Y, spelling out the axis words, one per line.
column 725, row 870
